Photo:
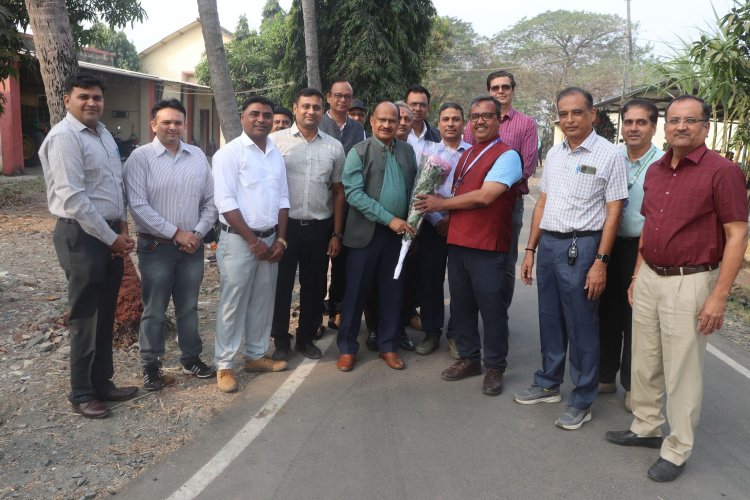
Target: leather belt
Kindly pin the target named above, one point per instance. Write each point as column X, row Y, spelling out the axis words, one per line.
column 114, row 225
column 156, row 238
column 681, row 271
column 310, row 222
column 574, row 234
column 258, row 234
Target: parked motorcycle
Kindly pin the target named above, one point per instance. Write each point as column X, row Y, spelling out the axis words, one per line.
column 125, row 146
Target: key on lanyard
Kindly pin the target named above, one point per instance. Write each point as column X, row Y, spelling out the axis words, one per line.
column 572, row 252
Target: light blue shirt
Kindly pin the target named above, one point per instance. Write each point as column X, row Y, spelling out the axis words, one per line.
column 631, row 223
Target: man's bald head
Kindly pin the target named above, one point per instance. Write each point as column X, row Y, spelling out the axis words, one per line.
column 383, row 121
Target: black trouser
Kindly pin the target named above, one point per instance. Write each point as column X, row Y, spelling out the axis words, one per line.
column 94, row 277
column 433, row 255
column 615, row 314
column 374, row 263
column 475, row 278
column 307, row 247
column 410, row 291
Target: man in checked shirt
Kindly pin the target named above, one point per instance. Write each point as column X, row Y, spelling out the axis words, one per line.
column 518, row 131
column 83, row 173
column 171, row 197
column 575, row 221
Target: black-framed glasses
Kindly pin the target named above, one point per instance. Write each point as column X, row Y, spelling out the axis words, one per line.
column 687, row 121
column 474, row 117
column 505, row 87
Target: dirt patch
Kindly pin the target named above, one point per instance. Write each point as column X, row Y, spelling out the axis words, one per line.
column 46, row 451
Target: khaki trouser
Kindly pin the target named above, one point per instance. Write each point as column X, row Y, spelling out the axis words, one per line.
column 668, row 351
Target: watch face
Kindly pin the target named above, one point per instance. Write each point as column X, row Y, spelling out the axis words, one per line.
column 603, row 258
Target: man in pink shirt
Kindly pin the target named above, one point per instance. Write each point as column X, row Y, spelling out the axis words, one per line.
column 518, row 131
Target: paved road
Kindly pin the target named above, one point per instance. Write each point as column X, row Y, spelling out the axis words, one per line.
column 379, row 433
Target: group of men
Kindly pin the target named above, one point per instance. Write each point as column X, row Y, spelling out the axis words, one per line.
column 300, row 190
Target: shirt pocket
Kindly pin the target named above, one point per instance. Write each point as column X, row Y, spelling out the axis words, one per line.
column 586, row 186
column 252, row 176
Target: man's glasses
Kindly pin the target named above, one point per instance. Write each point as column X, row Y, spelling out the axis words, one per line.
column 505, row 87
column 342, row 97
column 687, row 121
column 474, row 117
column 417, row 105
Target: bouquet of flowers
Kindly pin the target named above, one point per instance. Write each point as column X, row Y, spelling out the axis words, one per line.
column 432, row 174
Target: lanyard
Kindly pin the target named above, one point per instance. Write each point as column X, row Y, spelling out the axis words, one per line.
column 465, row 170
column 645, row 160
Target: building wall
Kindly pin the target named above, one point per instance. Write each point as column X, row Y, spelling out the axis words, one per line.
column 178, row 57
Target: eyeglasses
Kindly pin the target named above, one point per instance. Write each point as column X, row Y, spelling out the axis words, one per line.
column 417, row 105
column 673, row 122
column 342, row 97
column 474, row 117
column 505, row 87
column 389, row 121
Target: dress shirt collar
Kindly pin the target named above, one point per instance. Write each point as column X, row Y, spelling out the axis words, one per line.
column 462, row 146
column 342, row 127
column 424, row 131
column 78, row 126
column 509, row 115
column 160, row 149
column 295, row 131
column 247, row 142
column 588, row 143
column 693, row 157
column 649, row 152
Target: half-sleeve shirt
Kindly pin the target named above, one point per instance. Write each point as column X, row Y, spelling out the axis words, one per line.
column 685, row 208
column 580, row 182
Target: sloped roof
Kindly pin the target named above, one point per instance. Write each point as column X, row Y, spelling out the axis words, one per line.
column 177, row 34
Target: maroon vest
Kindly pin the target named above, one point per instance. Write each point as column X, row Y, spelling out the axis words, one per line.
column 488, row 228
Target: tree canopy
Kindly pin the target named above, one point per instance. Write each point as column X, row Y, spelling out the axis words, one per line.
column 378, row 46
column 254, row 57
column 105, row 38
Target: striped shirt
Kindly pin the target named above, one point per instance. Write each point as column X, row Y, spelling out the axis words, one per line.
column 311, row 168
column 83, row 172
column 250, row 180
column 168, row 192
column 579, row 183
column 518, row 131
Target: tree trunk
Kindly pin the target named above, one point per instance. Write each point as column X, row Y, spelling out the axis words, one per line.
column 311, row 44
column 218, row 69
column 55, row 49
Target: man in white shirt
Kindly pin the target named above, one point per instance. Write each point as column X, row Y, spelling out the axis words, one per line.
column 418, row 99
column 251, row 194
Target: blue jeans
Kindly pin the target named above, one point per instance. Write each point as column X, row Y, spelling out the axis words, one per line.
column 568, row 320
column 167, row 272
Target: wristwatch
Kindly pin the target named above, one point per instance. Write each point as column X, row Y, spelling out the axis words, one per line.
column 338, row 236
column 603, row 257
column 198, row 235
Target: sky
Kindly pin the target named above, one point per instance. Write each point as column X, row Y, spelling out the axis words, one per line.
column 662, row 22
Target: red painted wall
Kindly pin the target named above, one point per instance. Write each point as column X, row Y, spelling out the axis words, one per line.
column 11, row 129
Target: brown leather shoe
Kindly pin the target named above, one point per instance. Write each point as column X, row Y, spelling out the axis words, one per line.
column 461, row 369
column 493, row 382
column 345, row 362
column 119, row 394
column 93, row 408
column 393, row 360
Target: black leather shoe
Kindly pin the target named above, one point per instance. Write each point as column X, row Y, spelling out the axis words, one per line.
column 461, row 369
column 119, row 394
column 493, row 382
column 664, row 471
column 405, row 342
column 372, row 340
column 308, row 350
column 630, row 438
column 93, row 408
column 281, row 353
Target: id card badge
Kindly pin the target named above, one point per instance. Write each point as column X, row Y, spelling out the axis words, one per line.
column 587, row 169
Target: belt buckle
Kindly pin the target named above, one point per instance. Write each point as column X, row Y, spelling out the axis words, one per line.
column 305, row 222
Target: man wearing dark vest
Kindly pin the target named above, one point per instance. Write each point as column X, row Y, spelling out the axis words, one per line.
column 348, row 131
column 378, row 177
column 479, row 236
